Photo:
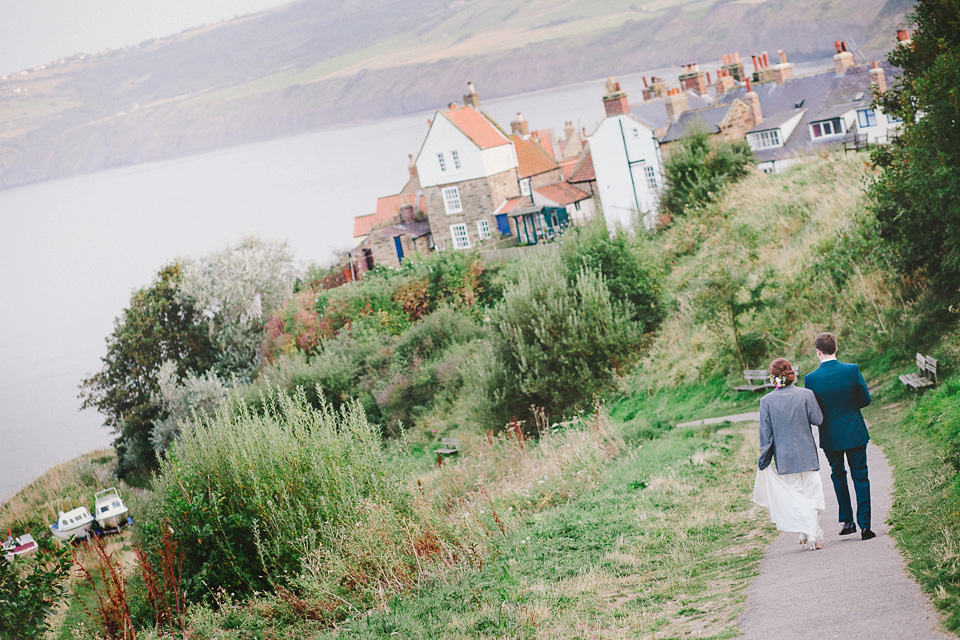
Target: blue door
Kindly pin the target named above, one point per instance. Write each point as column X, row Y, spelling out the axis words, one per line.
column 503, row 224
column 399, row 245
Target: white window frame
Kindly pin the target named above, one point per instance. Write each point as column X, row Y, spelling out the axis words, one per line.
column 451, row 200
column 443, row 163
column 651, row 175
column 822, row 124
column 525, row 186
column 483, row 229
column 460, row 236
column 456, row 159
column 863, row 118
column 766, row 139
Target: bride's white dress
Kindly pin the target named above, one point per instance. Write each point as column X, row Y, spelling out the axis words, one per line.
column 795, row 501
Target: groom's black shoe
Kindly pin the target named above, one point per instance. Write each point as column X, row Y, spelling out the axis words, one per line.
column 849, row 528
column 866, row 534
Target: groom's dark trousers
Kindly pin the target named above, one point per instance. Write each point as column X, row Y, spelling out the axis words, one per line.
column 842, row 392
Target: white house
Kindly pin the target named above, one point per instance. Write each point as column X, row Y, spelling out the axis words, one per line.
column 626, row 162
column 467, row 168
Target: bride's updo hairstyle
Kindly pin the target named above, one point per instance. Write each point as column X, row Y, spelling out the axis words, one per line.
column 781, row 367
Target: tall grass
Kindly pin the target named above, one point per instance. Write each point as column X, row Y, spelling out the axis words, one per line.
column 257, row 499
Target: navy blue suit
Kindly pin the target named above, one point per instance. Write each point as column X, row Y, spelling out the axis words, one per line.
column 841, row 392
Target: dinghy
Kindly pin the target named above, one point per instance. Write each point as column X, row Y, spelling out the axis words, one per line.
column 21, row 546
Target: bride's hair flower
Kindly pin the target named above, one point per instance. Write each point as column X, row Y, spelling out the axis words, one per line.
column 780, row 381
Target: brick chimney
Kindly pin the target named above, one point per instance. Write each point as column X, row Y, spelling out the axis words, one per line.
column 753, row 101
column 520, row 126
column 412, row 167
column 843, row 60
column 725, row 82
column 763, row 72
column 784, row 70
column 471, row 98
column 615, row 100
column 877, row 78
column 693, row 78
column 676, row 102
column 903, row 38
column 733, row 66
column 568, row 130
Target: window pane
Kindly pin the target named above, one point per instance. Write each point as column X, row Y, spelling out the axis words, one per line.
column 443, row 164
column 451, row 200
column 456, row 159
column 461, row 240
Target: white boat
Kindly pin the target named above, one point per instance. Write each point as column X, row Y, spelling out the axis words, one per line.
column 74, row 523
column 109, row 509
column 21, row 546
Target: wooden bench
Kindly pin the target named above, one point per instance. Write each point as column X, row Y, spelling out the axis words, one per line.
column 927, row 376
column 757, row 380
column 450, row 447
column 754, row 376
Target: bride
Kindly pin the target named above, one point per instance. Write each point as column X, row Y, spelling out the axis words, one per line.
column 793, row 492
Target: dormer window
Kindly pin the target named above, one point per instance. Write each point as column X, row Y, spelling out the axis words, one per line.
column 826, row 128
column 765, row 139
column 456, row 159
column 443, row 163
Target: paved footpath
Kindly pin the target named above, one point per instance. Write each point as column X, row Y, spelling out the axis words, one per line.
column 850, row 589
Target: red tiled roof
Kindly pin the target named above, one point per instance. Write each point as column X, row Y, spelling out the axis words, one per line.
column 584, row 169
column 562, row 193
column 476, row 126
column 511, row 204
column 387, row 208
column 543, row 137
column 531, row 159
column 567, row 166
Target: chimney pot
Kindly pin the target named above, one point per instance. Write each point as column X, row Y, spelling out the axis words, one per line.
column 836, row 43
column 736, row 56
column 749, row 85
column 766, row 59
column 645, row 85
column 709, row 81
column 783, row 55
column 843, row 44
column 874, row 65
column 902, row 35
column 756, row 67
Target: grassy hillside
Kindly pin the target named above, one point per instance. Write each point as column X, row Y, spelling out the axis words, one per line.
column 315, row 63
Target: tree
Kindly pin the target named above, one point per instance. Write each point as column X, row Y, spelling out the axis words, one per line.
column 158, row 326
column 917, row 195
column 232, row 288
column 699, row 169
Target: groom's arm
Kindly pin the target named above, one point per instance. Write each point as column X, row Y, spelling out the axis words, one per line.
column 863, row 393
column 766, row 438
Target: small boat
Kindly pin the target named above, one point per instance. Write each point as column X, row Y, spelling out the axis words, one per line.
column 75, row 523
column 109, row 509
column 21, row 546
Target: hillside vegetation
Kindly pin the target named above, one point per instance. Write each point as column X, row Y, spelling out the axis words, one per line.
column 315, row 63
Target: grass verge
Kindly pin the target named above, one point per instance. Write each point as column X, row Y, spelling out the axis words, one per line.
column 665, row 546
column 925, row 517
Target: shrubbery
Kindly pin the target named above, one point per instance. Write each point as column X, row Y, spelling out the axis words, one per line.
column 253, row 498
column 699, row 170
column 938, row 414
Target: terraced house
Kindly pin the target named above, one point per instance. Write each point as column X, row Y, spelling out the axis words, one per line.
column 468, row 168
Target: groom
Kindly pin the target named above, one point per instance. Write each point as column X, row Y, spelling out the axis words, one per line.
column 841, row 392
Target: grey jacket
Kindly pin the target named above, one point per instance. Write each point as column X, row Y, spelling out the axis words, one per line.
column 785, row 433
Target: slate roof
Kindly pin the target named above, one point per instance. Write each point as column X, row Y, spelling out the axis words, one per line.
column 653, row 113
column 821, row 95
column 531, row 158
column 476, row 126
column 562, row 193
column 415, row 229
column 707, row 119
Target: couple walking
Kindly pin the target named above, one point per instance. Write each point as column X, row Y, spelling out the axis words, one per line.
column 832, row 399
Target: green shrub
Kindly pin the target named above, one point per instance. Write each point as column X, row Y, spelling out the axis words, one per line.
column 630, row 275
column 252, row 497
column 555, row 343
column 700, row 168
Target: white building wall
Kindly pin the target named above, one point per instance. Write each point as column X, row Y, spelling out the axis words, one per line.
column 622, row 148
column 499, row 159
column 444, row 137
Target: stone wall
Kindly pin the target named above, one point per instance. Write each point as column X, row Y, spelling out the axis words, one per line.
column 479, row 198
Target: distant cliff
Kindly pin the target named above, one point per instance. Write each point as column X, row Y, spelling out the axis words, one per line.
column 318, row 63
